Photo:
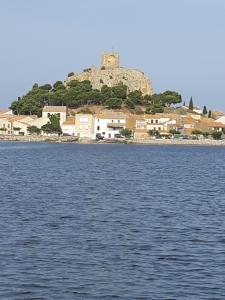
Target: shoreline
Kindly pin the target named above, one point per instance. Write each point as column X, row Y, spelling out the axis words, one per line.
column 63, row 139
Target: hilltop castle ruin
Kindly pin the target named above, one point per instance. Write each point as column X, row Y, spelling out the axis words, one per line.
column 110, row 73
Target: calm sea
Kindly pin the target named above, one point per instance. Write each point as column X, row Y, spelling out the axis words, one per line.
column 111, row 222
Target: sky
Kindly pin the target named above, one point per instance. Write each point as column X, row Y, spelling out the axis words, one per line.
column 179, row 44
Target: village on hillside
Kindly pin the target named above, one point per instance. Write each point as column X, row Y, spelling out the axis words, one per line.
column 108, row 103
column 112, row 125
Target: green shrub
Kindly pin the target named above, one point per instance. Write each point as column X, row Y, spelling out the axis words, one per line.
column 217, row 135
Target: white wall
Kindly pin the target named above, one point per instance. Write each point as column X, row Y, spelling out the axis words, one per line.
column 68, row 129
column 101, row 127
column 62, row 116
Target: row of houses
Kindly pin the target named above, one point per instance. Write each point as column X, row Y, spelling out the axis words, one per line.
column 108, row 124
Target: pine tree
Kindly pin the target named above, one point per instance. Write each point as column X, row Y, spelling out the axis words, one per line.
column 204, row 110
column 191, row 106
column 210, row 114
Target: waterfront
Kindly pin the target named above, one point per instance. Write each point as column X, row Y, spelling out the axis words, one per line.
column 150, row 141
column 111, row 221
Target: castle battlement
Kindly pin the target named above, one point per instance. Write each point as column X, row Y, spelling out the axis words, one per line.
column 110, row 60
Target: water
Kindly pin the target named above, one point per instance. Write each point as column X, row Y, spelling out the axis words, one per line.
column 111, row 222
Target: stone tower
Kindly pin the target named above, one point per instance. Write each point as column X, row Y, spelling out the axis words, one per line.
column 110, row 60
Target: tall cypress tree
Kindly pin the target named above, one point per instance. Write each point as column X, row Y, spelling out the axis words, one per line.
column 204, row 110
column 191, row 106
column 210, row 114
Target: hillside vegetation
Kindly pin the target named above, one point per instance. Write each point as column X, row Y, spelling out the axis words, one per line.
column 77, row 94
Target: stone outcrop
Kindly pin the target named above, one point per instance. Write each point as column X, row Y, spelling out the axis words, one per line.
column 111, row 74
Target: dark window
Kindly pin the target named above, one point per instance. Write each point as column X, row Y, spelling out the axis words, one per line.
column 98, row 127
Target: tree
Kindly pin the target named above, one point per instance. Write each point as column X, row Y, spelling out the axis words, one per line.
column 126, row 132
column 135, row 97
column 58, row 85
column 130, row 104
column 119, row 91
column 113, row 103
column 204, row 110
column 35, row 86
column 46, row 87
column 217, row 135
column 33, row 130
column 47, row 128
column 55, row 123
column 154, row 109
column 53, row 126
column 196, row 131
column 154, row 133
column 70, row 74
column 205, row 134
column 106, row 92
column 170, row 97
column 210, row 114
column 174, row 131
column 191, row 106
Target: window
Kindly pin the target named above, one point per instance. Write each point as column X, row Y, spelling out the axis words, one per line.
column 152, row 121
column 159, row 128
column 156, row 121
column 112, row 121
column 98, row 120
column 103, row 133
column 140, row 124
column 8, row 125
column 118, row 121
column 109, row 135
column 58, row 115
column 49, row 115
column 98, row 127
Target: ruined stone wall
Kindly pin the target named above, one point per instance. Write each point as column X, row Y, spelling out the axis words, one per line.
column 111, row 74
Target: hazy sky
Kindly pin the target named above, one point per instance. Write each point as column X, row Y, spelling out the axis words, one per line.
column 179, row 44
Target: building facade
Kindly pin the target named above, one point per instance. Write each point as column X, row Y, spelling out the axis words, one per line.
column 109, row 125
column 60, row 111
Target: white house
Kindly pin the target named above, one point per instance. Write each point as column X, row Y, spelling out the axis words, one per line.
column 60, row 111
column 5, row 125
column 68, row 127
column 159, row 122
column 84, row 126
column 39, row 122
column 109, row 124
column 15, row 124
